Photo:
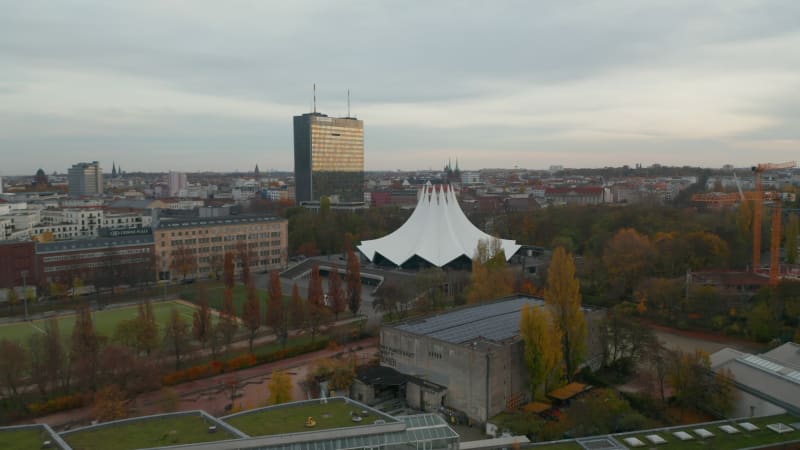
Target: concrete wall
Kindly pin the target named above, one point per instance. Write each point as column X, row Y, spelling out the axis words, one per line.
column 471, row 373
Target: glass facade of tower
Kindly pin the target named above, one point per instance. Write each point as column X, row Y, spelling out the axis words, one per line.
column 328, row 158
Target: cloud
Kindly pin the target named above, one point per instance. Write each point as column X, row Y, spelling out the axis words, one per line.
column 502, row 83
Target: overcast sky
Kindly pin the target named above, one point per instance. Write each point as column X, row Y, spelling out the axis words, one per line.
column 213, row 85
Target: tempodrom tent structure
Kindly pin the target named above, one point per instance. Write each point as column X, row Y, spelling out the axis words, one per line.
column 437, row 232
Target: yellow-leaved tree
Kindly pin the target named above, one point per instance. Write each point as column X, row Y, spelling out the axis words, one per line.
column 563, row 296
column 543, row 354
column 490, row 278
column 280, row 388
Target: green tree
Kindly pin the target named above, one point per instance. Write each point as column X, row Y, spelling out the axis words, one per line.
column 562, row 294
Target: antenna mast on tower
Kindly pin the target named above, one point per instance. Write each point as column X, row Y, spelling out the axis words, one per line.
column 348, row 103
column 315, row 97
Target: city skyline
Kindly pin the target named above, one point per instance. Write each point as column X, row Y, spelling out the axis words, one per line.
column 209, row 87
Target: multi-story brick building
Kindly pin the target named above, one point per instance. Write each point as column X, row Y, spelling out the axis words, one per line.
column 195, row 247
column 16, row 264
column 107, row 261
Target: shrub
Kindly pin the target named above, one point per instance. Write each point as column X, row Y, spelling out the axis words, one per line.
column 57, row 404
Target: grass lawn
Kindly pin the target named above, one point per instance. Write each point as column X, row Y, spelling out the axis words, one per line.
column 147, row 433
column 561, row 446
column 23, row 439
column 105, row 321
column 216, row 292
column 292, row 419
column 722, row 440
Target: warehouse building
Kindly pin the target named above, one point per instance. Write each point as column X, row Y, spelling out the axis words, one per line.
column 469, row 360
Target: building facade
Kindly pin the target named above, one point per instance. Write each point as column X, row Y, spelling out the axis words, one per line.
column 85, row 179
column 16, row 260
column 175, row 183
column 195, row 247
column 99, row 262
column 328, row 158
column 475, row 353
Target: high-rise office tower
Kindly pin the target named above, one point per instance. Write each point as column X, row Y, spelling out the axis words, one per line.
column 328, row 158
column 175, row 183
column 85, row 179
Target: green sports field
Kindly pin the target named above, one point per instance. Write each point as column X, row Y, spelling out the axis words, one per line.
column 105, row 321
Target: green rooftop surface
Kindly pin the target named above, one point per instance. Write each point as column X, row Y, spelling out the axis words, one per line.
column 147, row 433
column 292, row 418
column 722, row 440
column 23, row 438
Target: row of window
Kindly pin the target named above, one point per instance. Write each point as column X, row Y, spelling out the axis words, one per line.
column 95, row 255
column 95, row 265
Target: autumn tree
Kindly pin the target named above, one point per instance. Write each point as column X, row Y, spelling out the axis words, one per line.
column 228, row 324
column 353, row 281
column 13, row 367
column 543, row 352
column 184, row 261
column 336, row 295
column 216, row 264
column 245, row 260
column 490, row 277
column 251, row 313
column 201, row 320
column 130, row 373
column 563, row 296
column 297, row 310
column 280, row 388
column 317, row 314
column 51, row 365
column 13, row 298
column 176, row 336
column 109, row 404
column 394, row 298
column 627, row 258
column 228, row 270
column 85, row 349
column 146, row 328
column 277, row 317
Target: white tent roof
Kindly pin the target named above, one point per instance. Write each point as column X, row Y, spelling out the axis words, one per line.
column 437, row 231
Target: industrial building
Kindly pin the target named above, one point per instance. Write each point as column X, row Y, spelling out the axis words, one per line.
column 469, row 360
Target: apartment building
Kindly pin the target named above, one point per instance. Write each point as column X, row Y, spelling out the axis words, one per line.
column 195, row 247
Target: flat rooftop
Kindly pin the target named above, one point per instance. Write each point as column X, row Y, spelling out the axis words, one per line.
column 29, row 437
column 494, row 321
column 293, row 417
column 150, row 432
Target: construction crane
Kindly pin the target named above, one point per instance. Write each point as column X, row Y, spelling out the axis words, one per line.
column 758, row 204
